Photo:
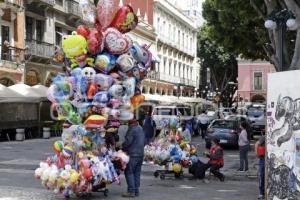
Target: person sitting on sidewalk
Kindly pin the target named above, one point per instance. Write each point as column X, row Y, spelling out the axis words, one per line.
column 216, row 159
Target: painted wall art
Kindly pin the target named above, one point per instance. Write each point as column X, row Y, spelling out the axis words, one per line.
column 283, row 136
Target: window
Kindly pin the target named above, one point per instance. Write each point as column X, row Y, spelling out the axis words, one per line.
column 170, row 66
column 175, row 69
column 257, row 80
column 165, row 66
column 39, row 30
column 59, row 2
column 224, row 124
column 183, row 40
column 174, row 34
column 5, row 54
column 29, row 28
column 158, row 25
column 179, row 37
column 164, row 111
column 58, row 36
column 164, row 28
column 170, row 32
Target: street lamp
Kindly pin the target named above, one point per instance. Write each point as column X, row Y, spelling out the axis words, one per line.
column 281, row 20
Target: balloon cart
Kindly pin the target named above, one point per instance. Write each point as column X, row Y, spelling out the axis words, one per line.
column 168, row 171
column 99, row 90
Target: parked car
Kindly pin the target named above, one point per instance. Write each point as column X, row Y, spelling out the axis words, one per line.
column 258, row 119
column 225, row 130
column 162, row 114
column 240, row 119
column 212, row 115
column 226, row 111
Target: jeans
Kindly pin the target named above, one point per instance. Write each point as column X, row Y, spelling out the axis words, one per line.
column 244, row 157
column 214, row 169
column 203, row 128
column 262, row 176
column 133, row 174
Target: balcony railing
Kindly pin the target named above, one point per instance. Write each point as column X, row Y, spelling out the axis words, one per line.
column 12, row 54
column 72, row 7
column 40, row 49
column 50, row 2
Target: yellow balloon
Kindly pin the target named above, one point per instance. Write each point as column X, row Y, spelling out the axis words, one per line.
column 74, row 177
column 177, row 168
column 59, row 182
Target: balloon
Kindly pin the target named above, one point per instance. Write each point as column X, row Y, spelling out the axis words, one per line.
column 173, row 123
column 129, row 85
column 106, row 10
column 137, row 100
column 91, row 91
column 116, row 42
column 101, row 98
column 126, row 62
column 125, row 115
column 95, row 121
column 177, row 168
column 75, row 48
column 137, row 72
column 105, row 62
column 89, row 73
column 125, row 19
column 95, row 41
column 116, row 91
column 83, row 31
column 74, row 177
column 58, row 146
column 103, row 82
column 141, row 54
column 50, row 93
column 88, row 11
column 67, row 151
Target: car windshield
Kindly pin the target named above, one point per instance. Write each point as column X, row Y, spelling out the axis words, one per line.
column 224, row 124
column 164, row 111
column 255, row 112
column 184, row 111
column 210, row 113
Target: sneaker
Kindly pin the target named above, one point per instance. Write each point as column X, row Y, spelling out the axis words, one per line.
column 261, row 197
column 128, row 195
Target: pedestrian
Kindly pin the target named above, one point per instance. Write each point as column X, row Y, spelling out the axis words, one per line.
column 149, row 127
column 216, row 160
column 134, row 147
column 260, row 152
column 244, row 147
column 203, row 123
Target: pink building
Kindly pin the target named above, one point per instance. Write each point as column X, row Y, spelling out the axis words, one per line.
column 252, row 80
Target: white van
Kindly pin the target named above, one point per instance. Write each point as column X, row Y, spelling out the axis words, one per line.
column 162, row 114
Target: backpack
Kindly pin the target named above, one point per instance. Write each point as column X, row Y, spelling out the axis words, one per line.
column 261, row 149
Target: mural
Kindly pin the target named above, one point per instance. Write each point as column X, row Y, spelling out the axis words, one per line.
column 283, row 136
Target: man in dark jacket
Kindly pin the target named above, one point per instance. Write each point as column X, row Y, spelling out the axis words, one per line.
column 216, row 159
column 134, row 147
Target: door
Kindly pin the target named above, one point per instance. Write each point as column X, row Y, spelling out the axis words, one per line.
column 5, row 33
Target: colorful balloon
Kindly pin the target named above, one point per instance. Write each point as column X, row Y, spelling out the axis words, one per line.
column 95, row 41
column 95, row 121
column 83, row 31
column 101, row 98
column 67, row 151
column 106, row 10
column 116, row 42
column 103, row 82
column 88, row 11
column 129, row 85
column 105, row 62
column 117, row 91
column 141, row 54
column 125, row 19
column 126, row 62
column 58, row 146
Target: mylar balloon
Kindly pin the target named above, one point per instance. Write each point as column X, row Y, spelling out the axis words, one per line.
column 141, row 54
column 101, row 98
column 83, row 31
column 126, row 62
column 106, row 10
column 95, row 41
column 137, row 100
column 116, row 42
column 137, row 72
column 89, row 73
column 125, row 19
column 103, row 82
column 105, row 62
column 95, row 121
column 117, row 91
column 88, row 10
column 129, row 85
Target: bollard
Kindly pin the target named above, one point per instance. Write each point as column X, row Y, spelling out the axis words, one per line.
column 46, row 133
column 20, row 136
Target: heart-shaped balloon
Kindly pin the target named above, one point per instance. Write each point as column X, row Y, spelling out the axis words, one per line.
column 106, row 10
column 126, row 62
column 105, row 62
column 116, row 42
column 125, row 19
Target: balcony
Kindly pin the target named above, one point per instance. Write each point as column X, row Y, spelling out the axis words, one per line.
column 11, row 57
column 72, row 8
column 42, row 3
column 39, row 49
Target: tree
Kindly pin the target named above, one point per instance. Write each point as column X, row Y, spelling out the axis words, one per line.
column 239, row 26
column 222, row 65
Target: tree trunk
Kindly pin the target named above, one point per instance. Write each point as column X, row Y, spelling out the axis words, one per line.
column 295, row 8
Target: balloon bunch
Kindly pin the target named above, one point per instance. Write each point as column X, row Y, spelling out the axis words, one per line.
column 100, row 87
column 171, row 146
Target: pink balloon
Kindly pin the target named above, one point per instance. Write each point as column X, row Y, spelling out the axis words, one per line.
column 106, row 10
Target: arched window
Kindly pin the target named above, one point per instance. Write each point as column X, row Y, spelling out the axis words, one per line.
column 6, row 82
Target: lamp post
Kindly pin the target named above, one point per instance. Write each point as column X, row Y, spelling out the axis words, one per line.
column 281, row 20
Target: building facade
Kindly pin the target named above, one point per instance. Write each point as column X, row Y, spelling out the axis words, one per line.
column 253, row 80
column 177, row 73
column 12, row 47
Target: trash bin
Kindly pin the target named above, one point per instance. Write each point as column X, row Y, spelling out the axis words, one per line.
column 20, row 136
column 46, row 132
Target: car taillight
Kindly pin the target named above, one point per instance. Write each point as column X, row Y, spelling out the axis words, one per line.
column 210, row 130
